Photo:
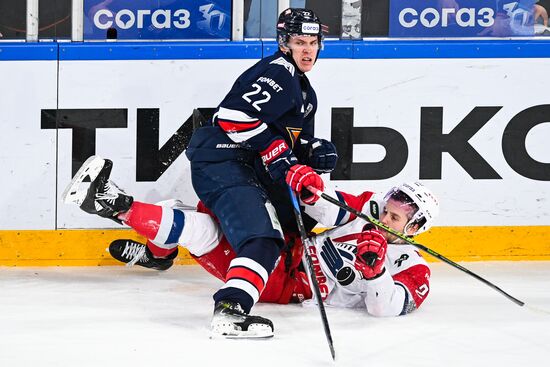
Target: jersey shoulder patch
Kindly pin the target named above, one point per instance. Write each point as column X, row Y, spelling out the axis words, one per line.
column 402, row 257
column 287, row 65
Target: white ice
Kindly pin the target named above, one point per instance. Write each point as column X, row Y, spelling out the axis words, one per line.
column 117, row 316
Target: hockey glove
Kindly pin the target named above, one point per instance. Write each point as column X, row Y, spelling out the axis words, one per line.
column 299, row 177
column 371, row 253
column 321, row 155
column 278, row 158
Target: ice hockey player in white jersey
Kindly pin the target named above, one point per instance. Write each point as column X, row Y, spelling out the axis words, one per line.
column 397, row 282
column 354, row 264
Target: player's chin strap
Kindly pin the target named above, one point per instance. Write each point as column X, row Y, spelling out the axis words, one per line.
column 417, row 245
column 311, row 270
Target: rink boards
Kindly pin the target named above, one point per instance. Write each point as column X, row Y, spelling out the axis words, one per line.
column 470, row 120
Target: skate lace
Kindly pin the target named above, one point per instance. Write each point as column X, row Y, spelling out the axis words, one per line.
column 233, row 309
column 110, row 192
column 134, row 252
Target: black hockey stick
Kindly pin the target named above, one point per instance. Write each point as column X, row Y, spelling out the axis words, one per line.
column 410, row 241
column 311, row 270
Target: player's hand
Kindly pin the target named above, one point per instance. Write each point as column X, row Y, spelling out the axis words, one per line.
column 299, row 177
column 278, row 158
column 371, row 253
column 321, row 155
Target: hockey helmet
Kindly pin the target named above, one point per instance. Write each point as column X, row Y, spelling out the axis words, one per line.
column 421, row 199
column 298, row 22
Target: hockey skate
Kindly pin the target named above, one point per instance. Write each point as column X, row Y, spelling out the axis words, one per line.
column 135, row 253
column 230, row 321
column 102, row 197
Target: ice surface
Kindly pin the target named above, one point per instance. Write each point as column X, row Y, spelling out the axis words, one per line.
column 116, row 316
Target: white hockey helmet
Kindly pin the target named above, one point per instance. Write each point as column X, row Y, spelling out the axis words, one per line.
column 419, row 196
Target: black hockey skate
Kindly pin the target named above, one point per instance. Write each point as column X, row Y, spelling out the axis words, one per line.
column 230, row 321
column 103, row 197
column 135, row 253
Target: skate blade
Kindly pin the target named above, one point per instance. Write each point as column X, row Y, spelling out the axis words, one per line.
column 215, row 336
column 254, row 332
column 73, row 194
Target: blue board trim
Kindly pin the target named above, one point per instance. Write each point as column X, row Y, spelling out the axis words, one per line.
column 21, row 51
column 451, row 49
column 160, row 50
column 366, row 49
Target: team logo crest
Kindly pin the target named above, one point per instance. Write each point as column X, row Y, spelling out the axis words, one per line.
column 293, row 132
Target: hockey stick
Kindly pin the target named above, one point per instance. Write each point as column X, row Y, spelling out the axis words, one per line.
column 411, row 241
column 311, row 270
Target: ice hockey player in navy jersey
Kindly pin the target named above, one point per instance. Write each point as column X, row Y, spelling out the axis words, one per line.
column 259, row 143
column 397, row 283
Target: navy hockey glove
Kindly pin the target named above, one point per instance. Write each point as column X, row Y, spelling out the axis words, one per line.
column 278, row 158
column 321, row 155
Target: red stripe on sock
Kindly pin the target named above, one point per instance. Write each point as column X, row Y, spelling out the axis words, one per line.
column 248, row 275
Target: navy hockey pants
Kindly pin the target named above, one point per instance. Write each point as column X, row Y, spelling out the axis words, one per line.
column 228, row 185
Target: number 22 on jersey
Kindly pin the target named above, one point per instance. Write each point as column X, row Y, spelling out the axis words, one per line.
column 256, row 94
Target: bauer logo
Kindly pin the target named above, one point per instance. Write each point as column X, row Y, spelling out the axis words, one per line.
column 472, row 18
column 140, row 19
column 310, row 28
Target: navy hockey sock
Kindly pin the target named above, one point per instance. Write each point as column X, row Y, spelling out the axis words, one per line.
column 248, row 272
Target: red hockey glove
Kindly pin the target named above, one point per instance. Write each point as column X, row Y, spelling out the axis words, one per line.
column 278, row 158
column 371, row 253
column 299, row 177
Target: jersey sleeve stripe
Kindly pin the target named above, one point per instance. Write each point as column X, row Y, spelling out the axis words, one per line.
column 234, row 115
column 239, row 137
column 341, row 213
column 234, row 127
column 407, row 307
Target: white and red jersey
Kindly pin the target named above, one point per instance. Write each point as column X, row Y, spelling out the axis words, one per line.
column 399, row 290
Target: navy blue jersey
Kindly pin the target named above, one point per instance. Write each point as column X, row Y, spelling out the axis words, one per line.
column 270, row 100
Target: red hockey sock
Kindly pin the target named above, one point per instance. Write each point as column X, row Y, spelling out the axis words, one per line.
column 159, row 251
column 145, row 219
column 217, row 261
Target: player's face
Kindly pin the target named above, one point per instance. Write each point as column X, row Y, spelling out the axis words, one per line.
column 395, row 215
column 304, row 51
